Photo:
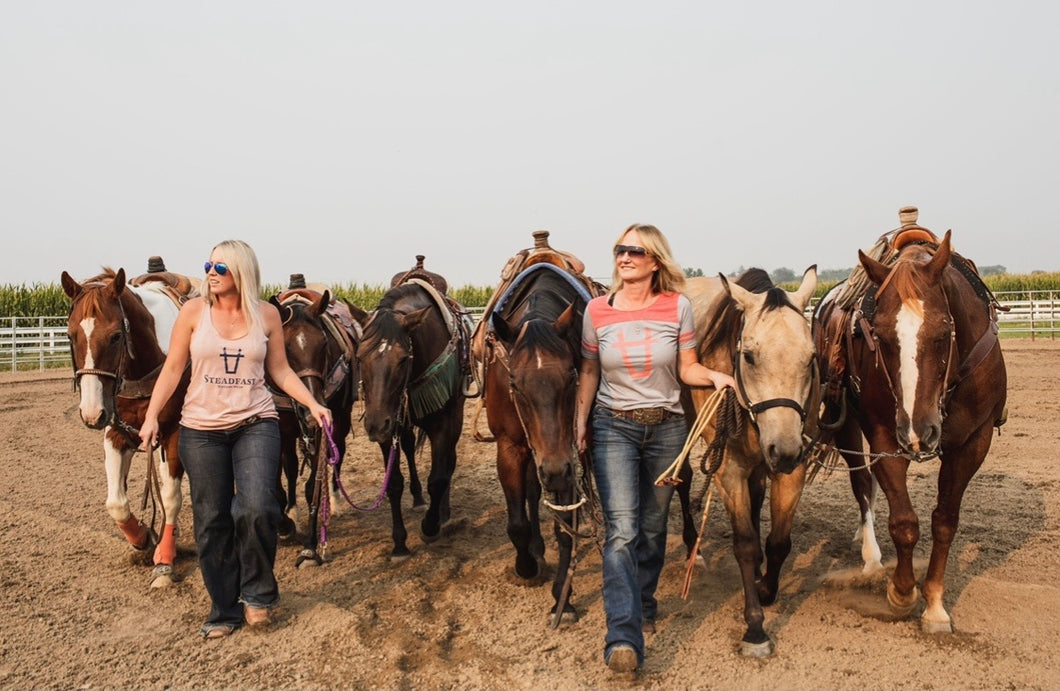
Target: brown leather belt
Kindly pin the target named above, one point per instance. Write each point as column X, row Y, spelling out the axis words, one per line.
column 644, row 416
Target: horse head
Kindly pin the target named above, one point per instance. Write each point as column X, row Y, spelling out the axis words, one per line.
column 913, row 328
column 305, row 341
column 109, row 329
column 385, row 356
column 774, row 366
column 543, row 376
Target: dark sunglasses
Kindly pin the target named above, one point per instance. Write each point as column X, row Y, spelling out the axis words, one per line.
column 631, row 250
column 219, row 267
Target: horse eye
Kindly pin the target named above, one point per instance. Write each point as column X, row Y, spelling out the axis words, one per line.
column 115, row 337
column 748, row 357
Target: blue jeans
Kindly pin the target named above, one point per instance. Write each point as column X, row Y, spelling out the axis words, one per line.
column 627, row 457
column 237, row 511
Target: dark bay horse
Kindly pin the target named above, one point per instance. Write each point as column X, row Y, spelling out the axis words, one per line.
column 757, row 332
column 413, row 361
column 914, row 365
column 118, row 337
column 531, row 361
column 320, row 338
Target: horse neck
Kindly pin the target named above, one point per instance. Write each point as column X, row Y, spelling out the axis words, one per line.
column 429, row 339
column 971, row 316
column 147, row 352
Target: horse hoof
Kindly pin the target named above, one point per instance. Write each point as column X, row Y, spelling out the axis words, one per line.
column 398, row 557
column 763, row 649
column 162, row 576
column 934, row 626
column 569, row 616
column 307, row 557
column 901, row 606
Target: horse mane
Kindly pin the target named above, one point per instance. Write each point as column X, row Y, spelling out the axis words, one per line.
column 543, row 307
column 905, row 281
column 91, row 304
column 378, row 329
column 725, row 321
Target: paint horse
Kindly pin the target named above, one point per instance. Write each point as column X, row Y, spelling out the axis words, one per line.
column 531, row 361
column 119, row 334
column 320, row 337
column 910, row 359
column 413, row 362
column 757, row 332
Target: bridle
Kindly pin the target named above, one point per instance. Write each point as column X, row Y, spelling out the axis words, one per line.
column 754, row 409
column 947, row 389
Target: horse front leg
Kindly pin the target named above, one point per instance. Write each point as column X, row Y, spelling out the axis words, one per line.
column 512, row 462
column 170, row 472
column 784, row 493
column 395, row 487
column 958, row 467
column 408, row 446
column 443, row 437
column 733, row 483
column 890, row 472
column 117, row 457
column 563, row 527
column 314, row 494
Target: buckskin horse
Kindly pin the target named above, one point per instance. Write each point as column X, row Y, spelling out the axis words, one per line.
column 757, row 332
column 912, row 361
column 320, row 337
column 413, row 361
column 119, row 334
column 531, row 360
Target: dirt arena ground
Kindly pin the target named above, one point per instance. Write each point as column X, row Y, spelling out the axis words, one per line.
column 78, row 613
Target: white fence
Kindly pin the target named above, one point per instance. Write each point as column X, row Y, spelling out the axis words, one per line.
column 38, row 343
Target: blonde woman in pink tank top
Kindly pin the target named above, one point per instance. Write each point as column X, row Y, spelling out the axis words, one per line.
column 229, row 436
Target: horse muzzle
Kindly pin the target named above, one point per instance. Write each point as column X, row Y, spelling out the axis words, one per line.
column 557, row 476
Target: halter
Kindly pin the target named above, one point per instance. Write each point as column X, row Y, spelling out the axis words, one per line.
column 920, row 456
column 753, row 409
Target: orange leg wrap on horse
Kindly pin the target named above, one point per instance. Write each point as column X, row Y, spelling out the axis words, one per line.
column 134, row 532
column 166, row 551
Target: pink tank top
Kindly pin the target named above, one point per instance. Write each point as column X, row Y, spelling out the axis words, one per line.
column 227, row 378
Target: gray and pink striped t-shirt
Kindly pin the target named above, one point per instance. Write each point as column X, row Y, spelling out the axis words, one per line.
column 637, row 350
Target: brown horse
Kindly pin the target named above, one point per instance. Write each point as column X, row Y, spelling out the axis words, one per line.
column 412, row 358
column 320, row 338
column 757, row 332
column 531, row 363
column 118, row 337
column 915, row 366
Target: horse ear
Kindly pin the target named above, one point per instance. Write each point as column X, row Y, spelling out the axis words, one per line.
column 321, row 305
column 801, row 297
column 118, row 284
column 71, row 287
column 284, row 310
column 741, row 295
column 413, row 319
column 876, row 271
column 359, row 315
column 941, row 259
column 502, row 328
column 564, row 321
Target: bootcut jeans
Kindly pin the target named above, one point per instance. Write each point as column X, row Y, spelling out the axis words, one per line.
column 236, row 509
column 627, row 457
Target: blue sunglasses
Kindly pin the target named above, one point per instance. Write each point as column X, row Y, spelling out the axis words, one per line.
column 219, row 267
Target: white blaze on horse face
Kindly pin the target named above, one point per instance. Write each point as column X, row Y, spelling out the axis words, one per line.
column 91, row 386
column 907, row 327
column 300, row 340
column 384, row 345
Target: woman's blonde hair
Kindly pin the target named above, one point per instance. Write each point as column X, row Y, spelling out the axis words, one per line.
column 670, row 277
column 243, row 265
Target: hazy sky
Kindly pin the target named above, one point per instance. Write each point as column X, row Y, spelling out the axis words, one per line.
column 343, row 138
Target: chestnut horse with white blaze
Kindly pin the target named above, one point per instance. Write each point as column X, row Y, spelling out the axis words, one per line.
column 913, row 363
column 119, row 334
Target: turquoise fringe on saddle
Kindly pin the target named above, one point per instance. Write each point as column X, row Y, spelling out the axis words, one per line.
column 436, row 385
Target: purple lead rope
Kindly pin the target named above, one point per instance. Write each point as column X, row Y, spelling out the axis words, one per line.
column 332, row 457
